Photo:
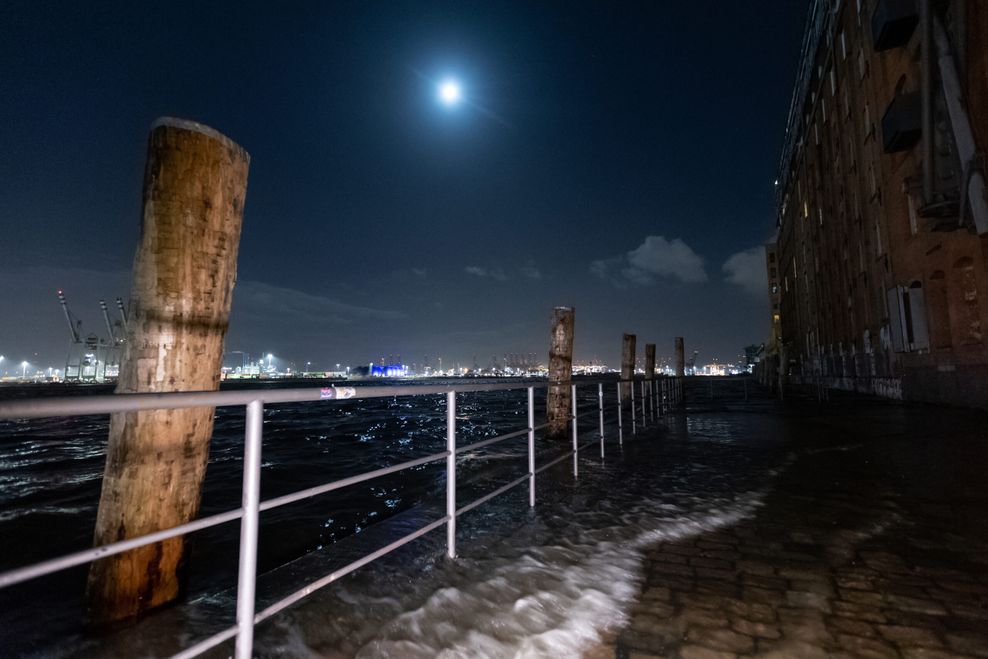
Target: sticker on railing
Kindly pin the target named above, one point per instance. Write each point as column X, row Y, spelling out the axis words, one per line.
column 338, row 393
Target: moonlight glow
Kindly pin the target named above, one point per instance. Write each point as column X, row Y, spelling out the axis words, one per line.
column 450, row 92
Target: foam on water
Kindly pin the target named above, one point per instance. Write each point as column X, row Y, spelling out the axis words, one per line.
column 554, row 601
column 549, row 589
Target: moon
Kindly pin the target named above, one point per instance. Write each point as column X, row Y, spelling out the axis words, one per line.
column 450, row 92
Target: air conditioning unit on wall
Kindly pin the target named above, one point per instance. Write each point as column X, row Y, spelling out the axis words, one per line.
column 902, row 125
column 893, row 23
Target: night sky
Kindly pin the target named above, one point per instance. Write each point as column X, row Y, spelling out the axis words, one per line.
column 617, row 158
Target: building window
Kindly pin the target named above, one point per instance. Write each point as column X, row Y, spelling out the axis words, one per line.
column 913, row 218
column 917, row 332
column 967, row 303
column 843, row 45
column 907, row 318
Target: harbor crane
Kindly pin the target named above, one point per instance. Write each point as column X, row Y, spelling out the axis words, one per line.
column 93, row 358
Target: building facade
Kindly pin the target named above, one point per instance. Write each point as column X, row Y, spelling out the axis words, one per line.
column 879, row 263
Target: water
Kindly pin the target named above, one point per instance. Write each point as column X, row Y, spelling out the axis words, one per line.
column 542, row 582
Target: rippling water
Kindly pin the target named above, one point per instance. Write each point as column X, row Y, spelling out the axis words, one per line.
column 542, row 582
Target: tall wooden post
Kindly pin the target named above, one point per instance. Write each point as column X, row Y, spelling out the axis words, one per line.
column 649, row 361
column 195, row 182
column 627, row 365
column 558, row 399
column 680, row 357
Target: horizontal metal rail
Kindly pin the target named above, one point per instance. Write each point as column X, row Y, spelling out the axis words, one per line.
column 347, row 569
column 207, row 644
column 554, row 461
column 115, row 403
column 492, row 440
column 488, row 497
column 352, row 480
column 17, row 575
column 303, row 592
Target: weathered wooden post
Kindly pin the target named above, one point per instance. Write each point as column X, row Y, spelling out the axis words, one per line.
column 558, row 398
column 627, row 365
column 195, row 182
column 680, row 358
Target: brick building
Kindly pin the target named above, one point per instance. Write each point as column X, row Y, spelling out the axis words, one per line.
column 882, row 214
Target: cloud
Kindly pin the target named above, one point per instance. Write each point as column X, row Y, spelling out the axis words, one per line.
column 747, row 270
column 419, row 272
column 531, row 272
column 253, row 299
column 655, row 258
column 493, row 273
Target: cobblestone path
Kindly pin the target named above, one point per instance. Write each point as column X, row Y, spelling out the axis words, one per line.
column 871, row 544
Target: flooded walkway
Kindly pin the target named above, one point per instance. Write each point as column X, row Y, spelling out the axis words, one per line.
column 871, row 543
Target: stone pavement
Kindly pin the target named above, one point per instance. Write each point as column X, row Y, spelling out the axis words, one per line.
column 871, row 544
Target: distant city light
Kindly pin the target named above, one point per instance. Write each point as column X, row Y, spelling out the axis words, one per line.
column 450, row 92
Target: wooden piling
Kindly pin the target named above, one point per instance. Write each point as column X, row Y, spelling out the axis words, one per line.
column 680, row 357
column 649, row 361
column 627, row 364
column 195, row 184
column 558, row 398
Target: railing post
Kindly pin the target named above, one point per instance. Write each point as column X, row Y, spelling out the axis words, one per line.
column 250, row 502
column 620, row 424
column 644, row 418
column 650, row 377
column 531, row 446
column 634, row 419
column 576, row 449
column 600, row 412
column 451, row 473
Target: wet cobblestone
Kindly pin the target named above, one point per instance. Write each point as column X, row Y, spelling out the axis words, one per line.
column 855, row 553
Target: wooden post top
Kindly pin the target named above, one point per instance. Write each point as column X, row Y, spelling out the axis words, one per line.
column 196, row 127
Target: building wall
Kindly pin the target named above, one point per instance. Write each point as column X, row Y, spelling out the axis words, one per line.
column 872, row 285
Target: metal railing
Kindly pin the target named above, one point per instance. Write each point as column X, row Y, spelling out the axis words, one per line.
column 655, row 401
